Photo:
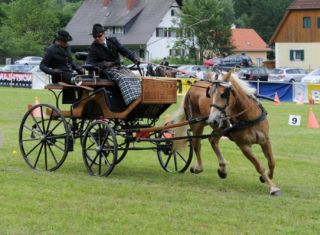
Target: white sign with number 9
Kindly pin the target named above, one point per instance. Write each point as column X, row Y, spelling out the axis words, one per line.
column 294, row 120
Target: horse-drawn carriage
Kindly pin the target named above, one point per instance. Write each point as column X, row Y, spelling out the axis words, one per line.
column 106, row 126
column 108, row 129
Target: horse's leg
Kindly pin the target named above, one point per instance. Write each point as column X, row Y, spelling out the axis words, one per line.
column 267, row 151
column 197, row 129
column 247, row 151
column 222, row 170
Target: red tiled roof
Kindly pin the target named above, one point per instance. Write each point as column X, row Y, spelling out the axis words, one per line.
column 248, row 40
column 304, row 4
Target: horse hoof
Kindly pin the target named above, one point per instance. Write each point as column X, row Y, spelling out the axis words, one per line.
column 262, row 179
column 195, row 170
column 276, row 193
column 221, row 174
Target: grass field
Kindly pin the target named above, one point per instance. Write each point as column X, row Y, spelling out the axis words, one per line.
column 140, row 198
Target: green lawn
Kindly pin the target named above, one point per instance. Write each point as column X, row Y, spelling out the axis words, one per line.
column 140, row 198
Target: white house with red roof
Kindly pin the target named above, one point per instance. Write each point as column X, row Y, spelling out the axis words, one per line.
column 248, row 42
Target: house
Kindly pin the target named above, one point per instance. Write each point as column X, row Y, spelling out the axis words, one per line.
column 297, row 37
column 248, row 42
column 145, row 26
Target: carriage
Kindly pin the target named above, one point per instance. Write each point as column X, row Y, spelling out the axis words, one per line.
column 106, row 127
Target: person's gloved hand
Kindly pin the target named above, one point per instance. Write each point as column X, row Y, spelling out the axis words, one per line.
column 108, row 64
column 80, row 70
column 137, row 61
column 56, row 71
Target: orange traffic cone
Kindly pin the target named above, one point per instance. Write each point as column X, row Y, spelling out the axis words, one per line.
column 312, row 121
column 276, row 99
column 36, row 112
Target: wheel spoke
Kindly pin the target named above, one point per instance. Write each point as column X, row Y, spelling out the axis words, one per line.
column 26, row 155
column 52, row 154
column 168, row 160
column 45, row 156
column 32, row 130
column 175, row 161
column 50, row 118
column 36, row 122
column 39, row 153
column 93, row 160
column 179, row 154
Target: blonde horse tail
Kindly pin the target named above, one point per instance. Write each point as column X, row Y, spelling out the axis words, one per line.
column 177, row 117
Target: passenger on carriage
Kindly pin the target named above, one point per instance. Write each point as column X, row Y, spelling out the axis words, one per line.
column 104, row 53
column 57, row 60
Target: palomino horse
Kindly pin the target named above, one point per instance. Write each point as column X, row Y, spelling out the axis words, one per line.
column 232, row 111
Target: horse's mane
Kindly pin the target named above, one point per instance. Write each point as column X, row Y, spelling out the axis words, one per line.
column 244, row 86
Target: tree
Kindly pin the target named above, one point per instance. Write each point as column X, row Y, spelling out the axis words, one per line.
column 29, row 25
column 263, row 16
column 209, row 21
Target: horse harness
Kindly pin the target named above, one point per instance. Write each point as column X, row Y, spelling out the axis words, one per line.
column 232, row 123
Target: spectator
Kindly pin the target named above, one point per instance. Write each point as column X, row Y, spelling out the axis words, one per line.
column 164, row 62
column 199, row 74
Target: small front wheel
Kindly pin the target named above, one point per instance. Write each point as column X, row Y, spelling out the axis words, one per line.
column 172, row 160
column 99, row 148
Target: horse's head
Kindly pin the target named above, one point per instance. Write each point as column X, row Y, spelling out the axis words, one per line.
column 220, row 93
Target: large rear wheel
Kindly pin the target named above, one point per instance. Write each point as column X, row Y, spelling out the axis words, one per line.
column 99, row 148
column 44, row 137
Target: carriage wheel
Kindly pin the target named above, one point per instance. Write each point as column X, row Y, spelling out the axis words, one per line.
column 44, row 137
column 171, row 160
column 123, row 146
column 99, row 148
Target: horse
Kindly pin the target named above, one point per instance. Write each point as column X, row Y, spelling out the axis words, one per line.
column 232, row 111
column 165, row 71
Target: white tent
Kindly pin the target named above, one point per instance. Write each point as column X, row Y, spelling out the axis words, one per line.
column 39, row 78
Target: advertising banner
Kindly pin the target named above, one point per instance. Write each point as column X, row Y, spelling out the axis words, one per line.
column 10, row 79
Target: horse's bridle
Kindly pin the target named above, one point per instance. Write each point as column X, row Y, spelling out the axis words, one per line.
column 224, row 95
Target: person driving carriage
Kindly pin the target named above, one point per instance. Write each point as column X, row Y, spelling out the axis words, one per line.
column 57, row 60
column 104, row 53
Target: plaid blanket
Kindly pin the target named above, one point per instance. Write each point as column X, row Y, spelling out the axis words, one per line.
column 129, row 84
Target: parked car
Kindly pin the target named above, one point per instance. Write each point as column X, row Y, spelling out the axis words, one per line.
column 21, row 68
column 287, row 75
column 189, row 71
column 312, row 77
column 234, row 61
column 29, row 60
column 254, row 73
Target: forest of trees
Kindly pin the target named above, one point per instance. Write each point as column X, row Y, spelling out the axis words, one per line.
column 28, row 26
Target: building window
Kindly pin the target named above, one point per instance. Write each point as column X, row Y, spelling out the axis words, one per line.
column 318, row 22
column 177, row 52
column 296, row 55
column 173, row 12
column 160, row 32
column 166, row 32
column 306, row 22
column 118, row 30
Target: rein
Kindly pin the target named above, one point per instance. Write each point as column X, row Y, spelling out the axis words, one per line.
column 244, row 124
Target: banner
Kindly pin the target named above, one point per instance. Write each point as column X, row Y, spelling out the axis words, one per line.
column 15, row 79
column 314, row 92
column 269, row 89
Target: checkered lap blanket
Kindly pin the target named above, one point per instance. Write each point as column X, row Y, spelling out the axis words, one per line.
column 129, row 84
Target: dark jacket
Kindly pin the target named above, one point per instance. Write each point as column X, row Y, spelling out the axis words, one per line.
column 57, row 62
column 99, row 54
